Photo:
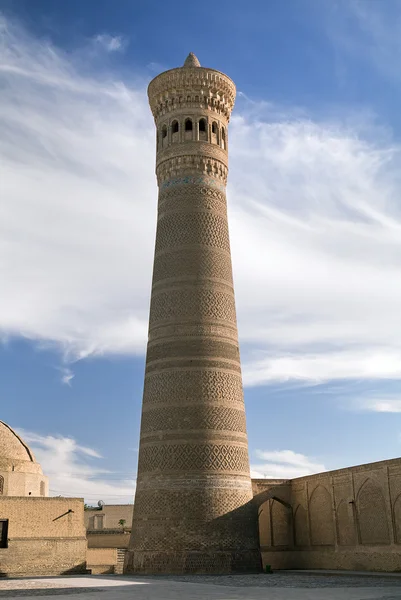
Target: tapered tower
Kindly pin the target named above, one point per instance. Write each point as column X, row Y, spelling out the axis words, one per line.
column 193, row 508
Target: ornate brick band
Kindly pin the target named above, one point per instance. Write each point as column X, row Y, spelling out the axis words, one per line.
column 193, row 504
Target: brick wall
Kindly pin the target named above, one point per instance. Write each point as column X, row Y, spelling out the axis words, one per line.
column 109, row 539
column 46, row 536
column 344, row 519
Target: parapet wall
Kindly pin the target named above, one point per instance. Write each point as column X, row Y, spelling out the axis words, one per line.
column 344, row 519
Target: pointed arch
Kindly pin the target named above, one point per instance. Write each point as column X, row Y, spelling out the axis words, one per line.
column 321, row 517
column 301, row 537
column 281, row 523
column 372, row 514
column 265, row 537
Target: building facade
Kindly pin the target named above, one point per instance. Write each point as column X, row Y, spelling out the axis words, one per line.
column 109, row 526
column 20, row 474
column 193, row 503
column 38, row 535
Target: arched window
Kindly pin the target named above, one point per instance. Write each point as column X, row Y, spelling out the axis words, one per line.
column 42, row 488
column 1, row 485
column 164, row 136
column 175, row 127
column 202, row 129
column 223, row 138
column 215, row 133
column 188, row 125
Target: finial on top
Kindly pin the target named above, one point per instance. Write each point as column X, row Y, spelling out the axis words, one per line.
column 191, row 61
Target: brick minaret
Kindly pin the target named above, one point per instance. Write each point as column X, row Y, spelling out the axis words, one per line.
column 193, row 509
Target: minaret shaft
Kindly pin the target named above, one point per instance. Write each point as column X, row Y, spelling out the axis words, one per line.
column 193, row 507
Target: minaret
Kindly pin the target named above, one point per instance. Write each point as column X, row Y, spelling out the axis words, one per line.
column 193, row 509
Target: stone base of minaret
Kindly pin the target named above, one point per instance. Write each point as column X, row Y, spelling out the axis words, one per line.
column 192, row 562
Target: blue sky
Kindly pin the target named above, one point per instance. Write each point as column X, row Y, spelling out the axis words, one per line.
column 315, row 220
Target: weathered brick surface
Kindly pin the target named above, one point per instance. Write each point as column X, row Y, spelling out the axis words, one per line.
column 46, row 536
column 193, row 503
column 344, row 519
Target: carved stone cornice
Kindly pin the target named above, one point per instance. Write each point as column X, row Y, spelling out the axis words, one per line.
column 196, row 87
column 192, row 164
column 202, row 149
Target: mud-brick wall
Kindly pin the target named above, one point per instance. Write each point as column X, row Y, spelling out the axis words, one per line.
column 46, row 536
column 345, row 519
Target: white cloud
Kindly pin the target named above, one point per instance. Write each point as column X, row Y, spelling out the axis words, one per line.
column 284, row 464
column 109, row 42
column 381, row 403
column 314, row 214
column 72, row 472
column 66, row 376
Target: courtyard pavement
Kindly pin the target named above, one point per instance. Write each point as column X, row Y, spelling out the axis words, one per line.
column 277, row 586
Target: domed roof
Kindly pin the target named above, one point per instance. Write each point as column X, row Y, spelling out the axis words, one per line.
column 12, row 446
column 191, row 61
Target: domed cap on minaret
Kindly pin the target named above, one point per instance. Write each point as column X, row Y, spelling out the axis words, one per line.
column 191, row 61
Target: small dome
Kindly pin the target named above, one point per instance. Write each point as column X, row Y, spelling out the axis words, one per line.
column 191, row 61
column 12, row 446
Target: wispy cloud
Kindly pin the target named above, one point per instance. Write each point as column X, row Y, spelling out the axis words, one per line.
column 73, row 470
column 368, row 32
column 284, row 464
column 314, row 214
column 381, row 403
column 66, row 376
column 109, row 42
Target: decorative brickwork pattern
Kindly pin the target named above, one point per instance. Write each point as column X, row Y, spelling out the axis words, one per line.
column 193, row 363
column 183, row 387
column 203, row 165
column 195, row 196
column 193, row 504
column 192, row 304
column 206, row 504
column 195, row 264
column 191, row 88
column 182, row 331
column 189, row 457
column 195, row 347
column 192, row 228
column 187, row 418
column 179, row 534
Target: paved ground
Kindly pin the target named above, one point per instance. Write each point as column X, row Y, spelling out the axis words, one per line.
column 278, row 586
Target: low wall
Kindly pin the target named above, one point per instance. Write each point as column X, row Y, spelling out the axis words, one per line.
column 101, row 560
column 344, row 519
column 46, row 536
column 115, row 539
column 105, row 560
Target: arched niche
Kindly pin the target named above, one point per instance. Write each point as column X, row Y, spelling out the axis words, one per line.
column 321, row 517
column 372, row 514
